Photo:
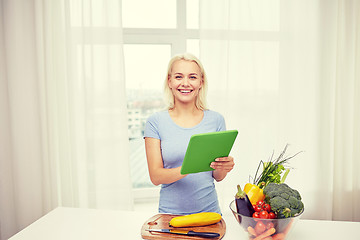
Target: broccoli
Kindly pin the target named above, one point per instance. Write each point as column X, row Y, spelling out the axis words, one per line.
column 284, row 201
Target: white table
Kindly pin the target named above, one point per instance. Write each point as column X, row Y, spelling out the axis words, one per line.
column 78, row 224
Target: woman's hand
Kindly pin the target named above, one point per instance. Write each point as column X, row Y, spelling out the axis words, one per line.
column 221, row 167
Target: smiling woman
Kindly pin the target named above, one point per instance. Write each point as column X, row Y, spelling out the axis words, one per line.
column 167, row 134
column 185, row 82
column 186, row 73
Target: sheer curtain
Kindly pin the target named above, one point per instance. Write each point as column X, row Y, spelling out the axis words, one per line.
column 288, row 72
column 63, row 109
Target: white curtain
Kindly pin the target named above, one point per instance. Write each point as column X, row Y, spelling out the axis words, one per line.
column 288, row 71
column 63, row 117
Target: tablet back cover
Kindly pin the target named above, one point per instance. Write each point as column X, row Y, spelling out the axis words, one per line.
column 205, row 148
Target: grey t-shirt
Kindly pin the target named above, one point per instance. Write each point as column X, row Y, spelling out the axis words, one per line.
column 196, row 192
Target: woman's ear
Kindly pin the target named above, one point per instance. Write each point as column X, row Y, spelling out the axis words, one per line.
column 168, row 81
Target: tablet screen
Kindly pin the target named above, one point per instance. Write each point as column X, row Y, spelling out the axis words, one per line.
column 204, row 148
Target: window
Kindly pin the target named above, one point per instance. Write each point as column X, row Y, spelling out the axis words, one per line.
column 152, row 34
column 152, row 14
column 144, row 91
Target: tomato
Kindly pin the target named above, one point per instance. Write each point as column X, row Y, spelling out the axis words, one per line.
column 269, row 225
column 266, row 207
column 260, row 227
column 264, row 214
column 272, row 215
column 257, row 208
column 256, row 215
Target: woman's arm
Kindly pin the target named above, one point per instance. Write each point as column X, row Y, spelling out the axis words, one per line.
column 159, row 174
column 222, row 166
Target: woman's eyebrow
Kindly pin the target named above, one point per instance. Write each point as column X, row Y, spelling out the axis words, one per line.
column 183, row 74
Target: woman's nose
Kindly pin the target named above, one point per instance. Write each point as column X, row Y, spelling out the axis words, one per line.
column 185, row 81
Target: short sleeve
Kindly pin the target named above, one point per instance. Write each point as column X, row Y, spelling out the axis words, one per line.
column 151, row 128
column 221, row 123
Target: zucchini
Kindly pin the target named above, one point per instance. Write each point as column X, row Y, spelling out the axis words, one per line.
column 196, row 219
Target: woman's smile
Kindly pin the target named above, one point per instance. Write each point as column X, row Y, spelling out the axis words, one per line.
column 185, row 91
column 185, row 81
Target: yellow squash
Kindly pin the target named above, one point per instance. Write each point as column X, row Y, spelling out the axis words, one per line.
column 196, row 219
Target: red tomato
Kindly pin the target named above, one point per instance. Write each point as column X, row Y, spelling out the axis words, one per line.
column 260, row 203
column 269, row 225
column 257, row 208
column 272, row 215
column 266, row 207
column 256, row 215
column 264, row 214
column 260, row 227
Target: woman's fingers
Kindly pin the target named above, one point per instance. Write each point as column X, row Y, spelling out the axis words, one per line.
column 224, row 163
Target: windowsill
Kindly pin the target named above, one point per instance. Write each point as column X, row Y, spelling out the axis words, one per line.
column 146, row 199
column 146, row 206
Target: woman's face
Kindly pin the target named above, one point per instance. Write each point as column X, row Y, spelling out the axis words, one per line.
column 185, row 81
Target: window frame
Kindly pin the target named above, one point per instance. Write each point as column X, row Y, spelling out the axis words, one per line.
column 175, row 37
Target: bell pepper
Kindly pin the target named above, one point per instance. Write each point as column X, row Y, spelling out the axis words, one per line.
column 254, row 193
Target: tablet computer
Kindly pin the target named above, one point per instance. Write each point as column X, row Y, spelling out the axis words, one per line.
column 204, row 148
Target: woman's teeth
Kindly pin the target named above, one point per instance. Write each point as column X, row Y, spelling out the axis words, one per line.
column 185, row 91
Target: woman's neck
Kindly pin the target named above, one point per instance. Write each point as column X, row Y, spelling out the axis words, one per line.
column 186, row 116
column 185, row 110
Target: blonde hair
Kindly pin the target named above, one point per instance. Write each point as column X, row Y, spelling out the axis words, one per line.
column 200, row 101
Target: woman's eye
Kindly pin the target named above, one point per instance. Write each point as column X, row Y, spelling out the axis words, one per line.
column 178, row 77
column 193, row 77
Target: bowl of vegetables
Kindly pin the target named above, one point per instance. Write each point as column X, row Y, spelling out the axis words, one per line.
column 268, row 208
column 272, row 218
column 265, row 229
